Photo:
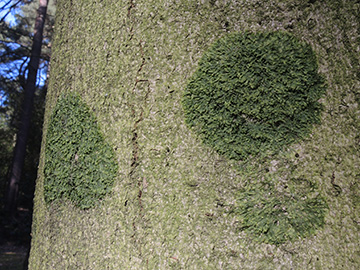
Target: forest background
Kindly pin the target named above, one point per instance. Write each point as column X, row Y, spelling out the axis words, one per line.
column 17, row 21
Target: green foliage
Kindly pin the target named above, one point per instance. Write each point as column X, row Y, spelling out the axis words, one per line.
column 275, row 214
column 254, row 93
column 79, row 164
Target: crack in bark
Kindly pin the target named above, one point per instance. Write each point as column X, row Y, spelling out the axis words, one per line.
column 135, row 152
column 137, row 118
column 131, row 6
column 137, row 114
column 129, row 15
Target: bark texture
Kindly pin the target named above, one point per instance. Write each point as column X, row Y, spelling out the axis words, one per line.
column 171, row 206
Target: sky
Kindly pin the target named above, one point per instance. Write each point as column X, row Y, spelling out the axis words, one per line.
column 10, row 18
column 11, row 70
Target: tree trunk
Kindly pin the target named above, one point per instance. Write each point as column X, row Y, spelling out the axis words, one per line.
column 26, row 113
column 173, row 202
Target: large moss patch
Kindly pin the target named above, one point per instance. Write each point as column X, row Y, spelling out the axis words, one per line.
column 254, row 93
column 79, row 164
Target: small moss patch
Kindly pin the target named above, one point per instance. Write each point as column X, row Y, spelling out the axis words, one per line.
column 254, row 93
column 275, row 214
column 79, row 164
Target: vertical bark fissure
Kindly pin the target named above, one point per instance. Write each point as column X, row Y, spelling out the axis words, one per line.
column 137, row 114
column 129, row 15
column 137, row 120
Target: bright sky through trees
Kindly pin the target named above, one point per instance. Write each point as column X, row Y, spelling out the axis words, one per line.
column 11, row 70
column 5, row 11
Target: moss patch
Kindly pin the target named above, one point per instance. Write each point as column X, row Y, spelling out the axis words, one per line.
column 275, row 214
column 79, row 164
column 254, row 93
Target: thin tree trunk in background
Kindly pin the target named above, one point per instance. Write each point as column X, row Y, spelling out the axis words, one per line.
column 27, row 108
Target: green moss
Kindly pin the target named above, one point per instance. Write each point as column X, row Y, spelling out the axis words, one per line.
column 79, row 164
column 274, row 214
column 254, row 93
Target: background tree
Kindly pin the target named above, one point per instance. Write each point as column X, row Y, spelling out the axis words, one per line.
column 15, row 45
column 26, row 111
column 17, row 24
column 121, row 69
